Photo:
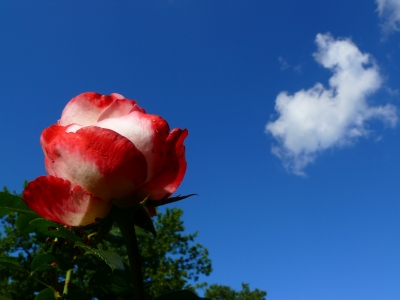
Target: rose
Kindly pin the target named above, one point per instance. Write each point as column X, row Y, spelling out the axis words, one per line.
column 105, row 150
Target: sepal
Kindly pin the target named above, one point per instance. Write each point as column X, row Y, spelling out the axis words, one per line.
column 138, row 214
column 156, row 203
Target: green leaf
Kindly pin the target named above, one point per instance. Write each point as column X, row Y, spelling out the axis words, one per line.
column 45, row 268
column 48, row 261
column 112, row 259
column 23, row 221
column 179, row 295
column 2, row 297
column 52, row 229
column 11, row 203
column 12, row 263
column 47, row 294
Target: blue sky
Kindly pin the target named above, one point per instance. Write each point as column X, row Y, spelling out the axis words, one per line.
column 299, row 199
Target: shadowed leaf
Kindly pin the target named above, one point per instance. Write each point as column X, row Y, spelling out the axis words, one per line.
column 75, row 292
column 52, row 229
column 12, row 263
column 47, row 261
column 23, row 221
column 111, row 258
column 11, row 203
column 47, row 294
column 117, row 283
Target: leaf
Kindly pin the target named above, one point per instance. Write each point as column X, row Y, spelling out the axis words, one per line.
column 23, row 221
column 112, row 259
column 11, row 203
column 2, row 297
column 45, row 268
column 11, row 262
column 52, row 229
column 45, row 261
column 47, row 294
column 179, row 295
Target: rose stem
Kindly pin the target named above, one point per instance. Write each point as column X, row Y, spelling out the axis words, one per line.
column 124, row 219
column 67, row 281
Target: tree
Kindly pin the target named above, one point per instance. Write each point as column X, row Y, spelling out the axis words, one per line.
column 172, row 261
column 221, row 292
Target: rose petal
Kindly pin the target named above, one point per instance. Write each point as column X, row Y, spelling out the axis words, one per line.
column 73, row 128
column 85, row 108
column 116, row 96
column 52, row 132
column 102, row 161
column 54, row 199
column 118, row 108
column 147, row 132
column 172, row 168
column 137, row 108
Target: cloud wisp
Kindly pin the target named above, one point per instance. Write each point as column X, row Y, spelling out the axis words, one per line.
column 389, row 11
column 311, row 121
column 285, row 65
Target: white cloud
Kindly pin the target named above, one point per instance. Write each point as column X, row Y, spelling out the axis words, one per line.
column 313, row 120
column 389, row 10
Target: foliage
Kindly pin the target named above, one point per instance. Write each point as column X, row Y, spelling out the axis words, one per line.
column 171, row 260
column 221, row 292
column 43, row 252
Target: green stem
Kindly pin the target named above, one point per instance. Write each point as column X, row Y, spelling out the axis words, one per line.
column 53, row 247
column 125, row 221
column 67, row 281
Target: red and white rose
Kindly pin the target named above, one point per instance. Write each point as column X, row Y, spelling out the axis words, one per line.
column 105, row 150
